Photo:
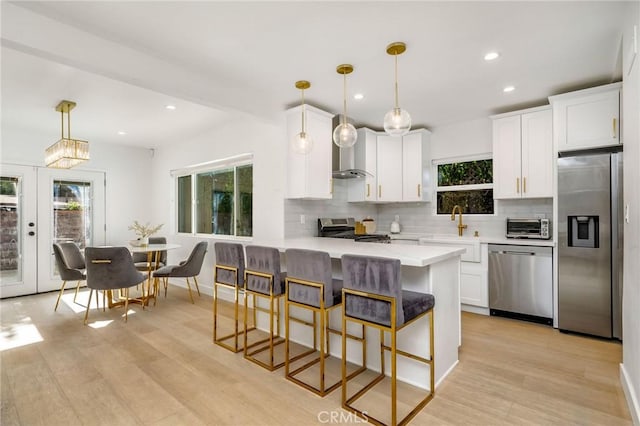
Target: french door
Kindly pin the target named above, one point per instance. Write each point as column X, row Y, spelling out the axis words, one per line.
column 39, row 207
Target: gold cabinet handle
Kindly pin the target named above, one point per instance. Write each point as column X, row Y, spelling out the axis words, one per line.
column 368, row 190
column 524, row 185
column 614, row 128
column 517, row 185
column 418, row 190
column 379, row 191
column 331, row 185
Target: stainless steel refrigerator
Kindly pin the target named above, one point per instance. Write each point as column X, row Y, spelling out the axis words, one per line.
column 590, row 243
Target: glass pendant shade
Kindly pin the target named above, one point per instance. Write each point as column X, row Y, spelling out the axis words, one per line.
column 67, row 152
column 302, row 143
column 397, row 122
column 345, row 135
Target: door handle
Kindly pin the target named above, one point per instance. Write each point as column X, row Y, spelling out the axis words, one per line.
column 613, row 128
column 517, row 185
column 418, row 190
column 368, row 190
column 524, row 185
column 379, row 191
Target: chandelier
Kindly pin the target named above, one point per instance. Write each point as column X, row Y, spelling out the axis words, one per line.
column 67, row 152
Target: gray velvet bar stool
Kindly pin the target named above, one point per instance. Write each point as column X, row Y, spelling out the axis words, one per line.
column 229, row 273
column 264, row 279
column 373, row 297
column 310, row 286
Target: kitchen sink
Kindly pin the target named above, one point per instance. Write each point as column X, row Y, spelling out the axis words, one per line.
column 471, row 244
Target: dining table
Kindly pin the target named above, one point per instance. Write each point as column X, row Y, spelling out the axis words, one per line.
column 153, row 252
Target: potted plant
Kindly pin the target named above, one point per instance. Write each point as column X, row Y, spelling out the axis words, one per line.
column 143, row 232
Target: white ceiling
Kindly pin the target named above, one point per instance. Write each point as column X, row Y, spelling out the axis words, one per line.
column 129, row 59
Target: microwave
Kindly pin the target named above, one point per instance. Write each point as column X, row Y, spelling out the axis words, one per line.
column 539, row 229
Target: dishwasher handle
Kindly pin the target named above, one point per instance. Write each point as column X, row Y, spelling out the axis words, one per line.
column 516, row 253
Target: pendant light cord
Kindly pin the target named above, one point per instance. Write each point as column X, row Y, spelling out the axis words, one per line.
column 344, row 97
column 303, row 113
column 396, row 82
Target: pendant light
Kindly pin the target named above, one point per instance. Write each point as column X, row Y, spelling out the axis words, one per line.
column 345, row 135
column 302, row 142
column 397, row 122
column 67, row 152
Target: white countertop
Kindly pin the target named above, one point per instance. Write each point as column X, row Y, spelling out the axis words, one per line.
column 481, row 239
column 336, row 247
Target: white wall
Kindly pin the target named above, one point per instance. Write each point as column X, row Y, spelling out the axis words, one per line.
column 266, row 141
column 127, row 171
column 630, row 368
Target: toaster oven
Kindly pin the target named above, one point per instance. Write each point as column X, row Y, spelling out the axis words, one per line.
column 539, row 229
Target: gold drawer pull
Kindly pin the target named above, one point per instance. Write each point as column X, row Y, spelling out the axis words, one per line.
column 418, row 190
column 524, row 184
column 517, row 185
column 614, row 128
column 379, row 191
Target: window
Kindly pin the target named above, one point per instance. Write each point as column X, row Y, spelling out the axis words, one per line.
column 216, row 200
column 468, row 184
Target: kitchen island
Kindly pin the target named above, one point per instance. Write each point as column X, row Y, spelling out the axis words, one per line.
column 427, row 269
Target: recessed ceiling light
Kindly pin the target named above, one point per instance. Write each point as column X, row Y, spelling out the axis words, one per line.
column 171, row 107
column 508, row 89
column 358, row 96
column 121, row 132
column 491, row 56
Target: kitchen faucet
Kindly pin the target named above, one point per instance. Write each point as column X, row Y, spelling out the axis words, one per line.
column 461, row 227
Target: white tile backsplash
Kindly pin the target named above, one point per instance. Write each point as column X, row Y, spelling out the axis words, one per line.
column 414, row 217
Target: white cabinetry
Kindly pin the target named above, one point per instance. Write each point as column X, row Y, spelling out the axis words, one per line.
column 474, row 283
column 400, row 167
column 309, row 176
column 587, row 118
column 523, row 154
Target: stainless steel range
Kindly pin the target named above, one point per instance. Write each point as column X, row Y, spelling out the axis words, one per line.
column 346, row 228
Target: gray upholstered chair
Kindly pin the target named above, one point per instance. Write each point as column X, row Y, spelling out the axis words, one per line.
column 310, row 285
column 189, row 268
column 373, row 296
column 70, row 266
column 228, row 272
column 142, row 260
column 263, row 279
column 111, row 268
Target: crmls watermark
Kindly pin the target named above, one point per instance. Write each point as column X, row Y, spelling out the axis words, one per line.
column 339, row 416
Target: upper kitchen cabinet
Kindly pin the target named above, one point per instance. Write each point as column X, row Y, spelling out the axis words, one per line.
column 523, row 154
column 309, row 175
column 587, row 118
column 399, row 167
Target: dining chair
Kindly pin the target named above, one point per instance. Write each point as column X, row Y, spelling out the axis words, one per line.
column 111, row 268
column 71, row 266
column 311, row 286
column 142, row 261
column 189, row 268
column 373, row 297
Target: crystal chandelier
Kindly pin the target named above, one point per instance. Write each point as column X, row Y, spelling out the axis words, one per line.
column 67, row 152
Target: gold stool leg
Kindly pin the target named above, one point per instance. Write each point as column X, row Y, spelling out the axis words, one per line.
column 189, row 288
column 126, row 303
column 195, row 280
column 75, row 296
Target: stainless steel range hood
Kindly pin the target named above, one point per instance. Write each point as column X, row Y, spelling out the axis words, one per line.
column 344, row 160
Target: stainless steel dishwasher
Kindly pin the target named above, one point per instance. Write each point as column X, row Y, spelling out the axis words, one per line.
column 521, row 282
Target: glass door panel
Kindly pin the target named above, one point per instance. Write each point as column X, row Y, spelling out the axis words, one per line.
column 71, row 208
column 17, row 230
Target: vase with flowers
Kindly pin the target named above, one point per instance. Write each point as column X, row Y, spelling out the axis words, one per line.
column 143, row 232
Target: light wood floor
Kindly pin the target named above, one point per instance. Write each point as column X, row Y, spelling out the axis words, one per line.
column 161, row 368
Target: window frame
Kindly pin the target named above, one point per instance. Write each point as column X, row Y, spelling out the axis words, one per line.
column 210, row 167
column 456, row 188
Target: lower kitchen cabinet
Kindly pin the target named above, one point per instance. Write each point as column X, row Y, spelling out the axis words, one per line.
column 474, row 287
